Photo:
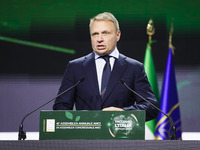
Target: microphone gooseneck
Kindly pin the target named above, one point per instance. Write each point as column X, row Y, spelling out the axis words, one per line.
column 22, row 134
column 174, row 133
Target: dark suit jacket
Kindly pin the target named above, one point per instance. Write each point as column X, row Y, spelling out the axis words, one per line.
column 86, row 95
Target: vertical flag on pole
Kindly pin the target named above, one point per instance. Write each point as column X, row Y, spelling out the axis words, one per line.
column 169, row 102
column 151, row 74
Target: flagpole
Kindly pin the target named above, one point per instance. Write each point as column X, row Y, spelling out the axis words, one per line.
column 170, row 36
column 152, row 78
column 174, row 134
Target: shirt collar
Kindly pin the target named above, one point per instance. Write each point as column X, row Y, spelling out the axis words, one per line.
column 114, row 54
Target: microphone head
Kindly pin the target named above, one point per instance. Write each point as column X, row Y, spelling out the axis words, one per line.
column 82, row 79
column 122, row 81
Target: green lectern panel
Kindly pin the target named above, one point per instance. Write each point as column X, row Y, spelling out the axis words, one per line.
column 92, row 125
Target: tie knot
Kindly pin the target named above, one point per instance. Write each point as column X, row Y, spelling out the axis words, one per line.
column 106, row 58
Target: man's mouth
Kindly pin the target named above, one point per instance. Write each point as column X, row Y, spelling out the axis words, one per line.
column 101, row 47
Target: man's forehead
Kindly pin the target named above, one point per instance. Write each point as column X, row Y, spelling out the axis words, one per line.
column 102, row 21
column 102, row 25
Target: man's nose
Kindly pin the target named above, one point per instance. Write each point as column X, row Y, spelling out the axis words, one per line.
column 100, row 38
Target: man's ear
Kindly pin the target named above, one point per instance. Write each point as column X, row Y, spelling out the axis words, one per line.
column 118, row 35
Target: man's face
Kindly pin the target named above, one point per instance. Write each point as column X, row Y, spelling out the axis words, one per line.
column 104, row 36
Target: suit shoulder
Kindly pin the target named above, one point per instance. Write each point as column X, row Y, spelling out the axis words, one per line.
column 132, row 61
column 79, row 60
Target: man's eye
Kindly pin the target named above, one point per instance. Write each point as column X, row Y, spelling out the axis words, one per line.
column 105, row 33
column 94, row 34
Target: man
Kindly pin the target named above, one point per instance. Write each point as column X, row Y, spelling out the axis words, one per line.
column 94, row 93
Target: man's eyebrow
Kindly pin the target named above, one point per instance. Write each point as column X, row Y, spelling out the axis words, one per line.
column 93, row 33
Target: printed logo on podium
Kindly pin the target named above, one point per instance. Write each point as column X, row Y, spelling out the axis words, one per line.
column 122, row 126
column 50, row 125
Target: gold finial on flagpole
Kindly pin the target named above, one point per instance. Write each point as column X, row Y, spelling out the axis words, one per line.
column 170, row 36
column 150, row 29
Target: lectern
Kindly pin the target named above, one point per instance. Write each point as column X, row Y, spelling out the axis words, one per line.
column 93, row 125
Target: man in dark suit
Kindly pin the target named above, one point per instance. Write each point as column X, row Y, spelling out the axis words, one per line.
column 103, row 70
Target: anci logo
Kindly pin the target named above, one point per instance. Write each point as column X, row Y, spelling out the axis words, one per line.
column 122, row 126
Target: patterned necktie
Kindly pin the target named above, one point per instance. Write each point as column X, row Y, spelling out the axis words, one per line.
column 105, row 75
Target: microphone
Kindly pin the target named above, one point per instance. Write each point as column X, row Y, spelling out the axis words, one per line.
column 22, row 134
column 174, row 133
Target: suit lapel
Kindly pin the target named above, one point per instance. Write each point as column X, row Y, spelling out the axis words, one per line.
column 91, row 73
column 117, row 72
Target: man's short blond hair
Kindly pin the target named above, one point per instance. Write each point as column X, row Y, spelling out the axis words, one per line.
column 105, row 16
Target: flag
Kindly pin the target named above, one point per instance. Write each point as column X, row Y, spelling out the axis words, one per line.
column 169, row 104
column 151, row 75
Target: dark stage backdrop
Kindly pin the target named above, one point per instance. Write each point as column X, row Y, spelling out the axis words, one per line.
column 33, row 34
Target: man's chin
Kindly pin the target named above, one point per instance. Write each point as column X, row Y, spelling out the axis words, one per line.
column 101, row 52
